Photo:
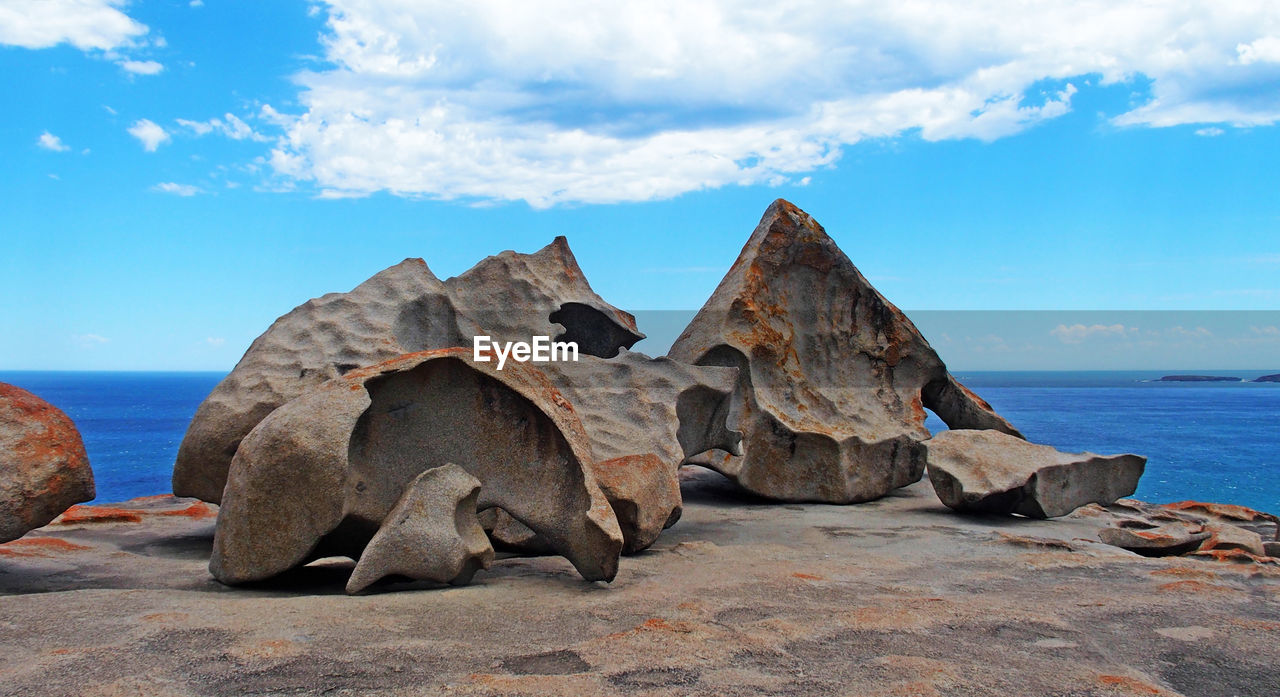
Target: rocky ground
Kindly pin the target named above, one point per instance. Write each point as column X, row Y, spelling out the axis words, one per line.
column 896, row 597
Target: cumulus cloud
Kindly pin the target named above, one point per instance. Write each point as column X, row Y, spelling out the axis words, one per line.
column 229, row 125
column 149, row 133
column 1079, row 333
column 85, row 24
column 176, row 189
column 49, row 141
column 141, row 67
column 611, row 101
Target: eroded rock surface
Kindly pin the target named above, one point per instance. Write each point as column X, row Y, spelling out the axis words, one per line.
column 43, row 466
column 1216, row 531
column 644, row 417
column 1171, row 539
column 994, row 472
column 320, row 475
column 403, row 309
column 833, row 379
column 432, row 534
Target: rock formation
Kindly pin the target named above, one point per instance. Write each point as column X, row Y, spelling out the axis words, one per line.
column 1267, row 378
column 644, row 417
column 431, row 534
column 993, row 472
column 320, row 474
column 400, row 310
column 43, row 466
column 1211, row 530
column 1171, row 539
column 833, row 379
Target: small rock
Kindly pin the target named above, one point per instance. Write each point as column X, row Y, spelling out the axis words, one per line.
column 995, row 472
column 1265, row 524
column 1169, row 540
column 43, row 466
column 432, row 534
column 1224, row 536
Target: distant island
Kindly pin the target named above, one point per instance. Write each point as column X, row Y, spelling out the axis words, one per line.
column 1268, row 378
column 1205, row 378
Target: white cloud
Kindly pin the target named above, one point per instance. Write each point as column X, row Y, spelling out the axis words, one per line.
column 1078, row 333
column 85, row 24
column 215, row 340
column 1263, row 50
column 610, row 101
column 141, row 67
column 176, row 189
column 90, row 340
column 49, row 141
column 196, row 3
column 149, row 133
column 1182, row 332
column 229, row 125
column 1210, row 132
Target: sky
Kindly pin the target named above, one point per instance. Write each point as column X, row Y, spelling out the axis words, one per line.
column 177, row 174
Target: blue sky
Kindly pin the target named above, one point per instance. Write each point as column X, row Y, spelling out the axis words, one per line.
column 176, row 174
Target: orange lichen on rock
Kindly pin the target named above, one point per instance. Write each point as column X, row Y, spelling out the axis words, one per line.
column 1221, row 510
column 77, row 515
column 38, row 547
column 1132, row 686
column 1192, row 586
column 1235, row 556
column 196, row 511
column 808, row 577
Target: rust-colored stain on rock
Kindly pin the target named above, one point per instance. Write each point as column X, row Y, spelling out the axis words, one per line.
column 77, row 515
column 39, row 547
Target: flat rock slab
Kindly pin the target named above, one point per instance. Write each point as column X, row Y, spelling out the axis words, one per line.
column 993, row 472
column 897, row 596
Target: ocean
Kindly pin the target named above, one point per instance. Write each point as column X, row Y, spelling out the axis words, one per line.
column 1206, row 441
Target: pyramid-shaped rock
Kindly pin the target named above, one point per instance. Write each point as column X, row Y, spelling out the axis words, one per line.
column 833, row 379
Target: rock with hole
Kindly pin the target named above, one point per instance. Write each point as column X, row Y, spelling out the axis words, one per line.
column 319, row 476
column 403, row 309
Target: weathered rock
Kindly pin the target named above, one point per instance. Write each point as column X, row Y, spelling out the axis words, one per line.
column 510, row 535
column 514, row 296
column 43, row 466
column 432, row 534
column 321, row 473
column 833, row 379
column 1224, row 536
column 400, row 310
column 994, row 472
column 1271, row 548
column 1266, row 525
column 1170, row 539
column 644, row 417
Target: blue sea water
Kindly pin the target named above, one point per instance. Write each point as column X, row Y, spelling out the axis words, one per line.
column 1206, row 441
